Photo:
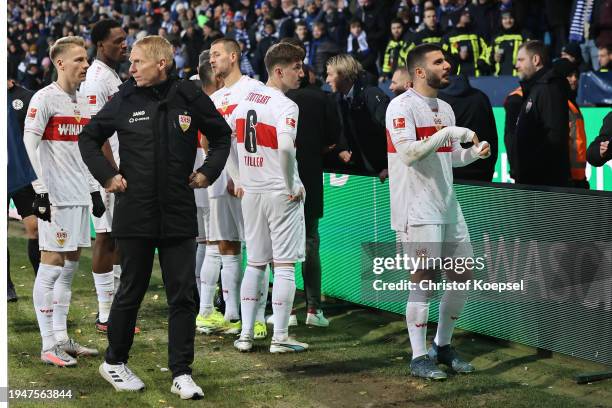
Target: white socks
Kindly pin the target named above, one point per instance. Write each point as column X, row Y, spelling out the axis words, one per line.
column 43, row 301
column 250, row 294
column 200, row 254
column 283, row 293
column 451, row 306
column 62, row 293
column 417, row 314
column 105, row 288
column 261, row 308
column 230, row 281
column 208, row 278
column 117, row 277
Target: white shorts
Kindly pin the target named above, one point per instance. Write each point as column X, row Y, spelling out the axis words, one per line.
column 203, row 223
column 437, row 240
column 105, row 223
column 274, row 228
column 67, row 231
column 225, row 219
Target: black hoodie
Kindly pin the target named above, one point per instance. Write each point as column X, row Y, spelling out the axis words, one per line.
column 541, row 148
column 473, row 110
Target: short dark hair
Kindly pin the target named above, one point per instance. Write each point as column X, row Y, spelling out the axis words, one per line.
column 536, row 47
column 417, row 55
column 205, row 71
column 102, row 29
column 396, row 21
column 356, row 22
column 282, row 54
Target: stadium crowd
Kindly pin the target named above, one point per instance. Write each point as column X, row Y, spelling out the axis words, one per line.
column 483, row 35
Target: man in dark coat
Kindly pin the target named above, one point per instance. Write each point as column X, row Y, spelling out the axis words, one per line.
column 541, row 148
column 599, row 151
column 317, row 131
column 157, row 118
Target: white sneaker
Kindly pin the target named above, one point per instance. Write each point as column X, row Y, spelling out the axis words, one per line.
column 243, row 344
column 288, row 345
column 317, row 319
column 184, row 386
column 293, row 321
column 120, row 377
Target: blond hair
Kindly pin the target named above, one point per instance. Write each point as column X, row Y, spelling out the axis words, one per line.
column 345, row 66
column 61, row 45
column 157, row 48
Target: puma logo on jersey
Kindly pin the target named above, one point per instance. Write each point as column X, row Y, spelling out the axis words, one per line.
column 69, row 129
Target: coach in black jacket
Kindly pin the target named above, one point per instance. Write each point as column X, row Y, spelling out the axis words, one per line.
column 541, row 147
column 157, row 118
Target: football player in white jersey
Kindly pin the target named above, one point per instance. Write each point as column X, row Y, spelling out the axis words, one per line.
column 56, row 115
column 265, row 125
column 226, row 227
column 101, row 83
column 423, row 146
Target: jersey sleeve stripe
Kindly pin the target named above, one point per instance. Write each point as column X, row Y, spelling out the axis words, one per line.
column 265, row 134
column 390, row 146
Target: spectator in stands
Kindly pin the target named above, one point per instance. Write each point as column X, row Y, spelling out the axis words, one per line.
column 541, row 148
column 357, row 46
column 210, row 34
column 362, row 147
column 371, row 14
column 431, row 33
column 321, row 49
column 268, row 39
column 601, row 25
column 486, row 18
column 604, row 59
column 396, row 52
column 336, row 16
column 599, row 152
column 557, row 14
column 245, row 63
column 467, row 47
column 472, row 110
column 572, row 52
column 581, row 18
column 239, row 33
column 505, row 45
column 400, row 81
column 302, row 34
column 444, row 13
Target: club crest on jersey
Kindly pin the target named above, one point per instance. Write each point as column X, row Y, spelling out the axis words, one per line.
column 399, row 123
column 61, row 237
column 32, row 113
column 290, row 122
column 77, row 115
column 528, row 106
column 184, row 122
column 17, row 104
column 91, row 99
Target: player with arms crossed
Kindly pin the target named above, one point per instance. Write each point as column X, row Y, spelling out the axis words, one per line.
column 226, row 227
column 55, row 118
column 266, row 126
column 423, row 146
column 101, row 83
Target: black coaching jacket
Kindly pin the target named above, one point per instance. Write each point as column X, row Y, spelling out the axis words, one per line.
column 157, row 129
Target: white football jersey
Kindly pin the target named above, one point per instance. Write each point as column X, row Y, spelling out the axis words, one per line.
column 58, row 120
column 257, row 121
column 423, row 192
column 226, row 99
column 100, row 84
